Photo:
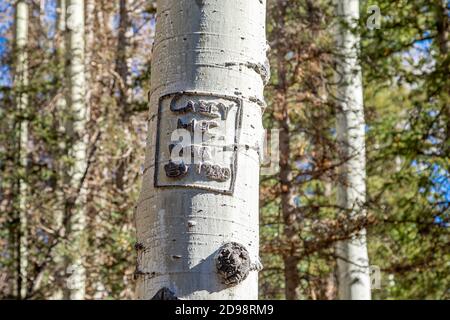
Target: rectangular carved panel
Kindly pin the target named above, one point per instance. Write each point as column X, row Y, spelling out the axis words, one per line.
column 196, row 141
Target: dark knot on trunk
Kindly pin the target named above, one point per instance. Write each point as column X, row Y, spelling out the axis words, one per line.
column 233, row 263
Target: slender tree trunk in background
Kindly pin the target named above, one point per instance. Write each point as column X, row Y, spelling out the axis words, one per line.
column 353, row 262
column 61, row 104
column 123, row 68
column 92, row 89
column 443, row 29
column 89, row 52
column 197, row 221
column 21, row 82
column 291, row 276
column 442, row 23
column 331, row 292
column 124, row 59
column 77, row 130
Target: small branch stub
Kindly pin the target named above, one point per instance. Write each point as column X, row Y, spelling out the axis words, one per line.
column 233, row 263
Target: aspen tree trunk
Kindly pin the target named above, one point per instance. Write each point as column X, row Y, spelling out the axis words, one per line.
column 353, row 262
column 197, row 216
column 77, row 129
column 60, row 47
column 21, row 82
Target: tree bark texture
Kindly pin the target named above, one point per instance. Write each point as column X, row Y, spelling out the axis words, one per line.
column 77, row 129
column 353, row 261
column 197, row 216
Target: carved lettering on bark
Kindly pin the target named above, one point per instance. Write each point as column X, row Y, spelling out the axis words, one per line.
column 176, row 170
column 202, row 125
column 205, row 108
column 195, row 129
column 214, row 171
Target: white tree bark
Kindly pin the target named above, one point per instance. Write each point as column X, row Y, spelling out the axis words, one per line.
column 60, row 45
column 78, row 108
column 21, row 83
column 353, row 262
column 209, row 65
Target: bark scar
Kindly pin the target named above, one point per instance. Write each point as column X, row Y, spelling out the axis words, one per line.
column 233, row 263
column 262, row 69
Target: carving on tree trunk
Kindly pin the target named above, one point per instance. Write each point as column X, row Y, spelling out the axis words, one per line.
column 214, row 171
column 198, row 73
column 176, row 170
column 186, row 135
column 194, row 125
column 208, row 109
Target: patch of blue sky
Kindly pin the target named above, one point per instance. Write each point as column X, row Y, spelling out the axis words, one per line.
column 424, row 45
column 6, row 11
column 439, row 177
column 5, row 76
column 115, row 21
column 138, row 92
column 441, row 182
column 418, row 58
column 439, row 189
column 50, row 17
column 304, row 166
column 442, row 222
column 136, row 67
column 5, row 26
column 3, row 45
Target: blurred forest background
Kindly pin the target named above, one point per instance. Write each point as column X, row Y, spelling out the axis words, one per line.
column 406, row 68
